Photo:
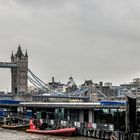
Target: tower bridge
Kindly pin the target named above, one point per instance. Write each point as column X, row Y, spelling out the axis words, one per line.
column 19, row 76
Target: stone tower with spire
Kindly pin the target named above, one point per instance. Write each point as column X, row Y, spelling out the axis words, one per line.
column 19, row 74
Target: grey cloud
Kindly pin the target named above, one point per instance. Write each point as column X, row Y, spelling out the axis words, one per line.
column 87, row 39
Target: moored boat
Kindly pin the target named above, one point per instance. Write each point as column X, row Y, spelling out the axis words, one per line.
column 16, row 127
column 15, row 123
column 35, row 127
column 60, row 132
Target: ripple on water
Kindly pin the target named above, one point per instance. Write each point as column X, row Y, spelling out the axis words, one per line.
column 6, row 134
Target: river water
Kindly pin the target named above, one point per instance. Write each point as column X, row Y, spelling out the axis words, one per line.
column 6, row 134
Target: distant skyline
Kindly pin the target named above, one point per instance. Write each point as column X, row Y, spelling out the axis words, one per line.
column 94, row 39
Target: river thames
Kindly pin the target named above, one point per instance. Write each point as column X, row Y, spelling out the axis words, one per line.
column 6, row 134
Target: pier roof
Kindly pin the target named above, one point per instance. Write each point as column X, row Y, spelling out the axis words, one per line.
column 75, row 105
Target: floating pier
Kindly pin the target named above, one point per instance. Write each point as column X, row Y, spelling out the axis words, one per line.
column 98, row 120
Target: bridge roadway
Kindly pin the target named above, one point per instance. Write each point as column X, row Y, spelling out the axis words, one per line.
column 7, row 65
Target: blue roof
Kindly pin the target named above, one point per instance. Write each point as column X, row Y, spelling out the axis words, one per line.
column 9, row 102
column 113, row 103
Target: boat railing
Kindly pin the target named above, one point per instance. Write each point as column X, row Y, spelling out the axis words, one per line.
column 15, row 115
column 15, row 120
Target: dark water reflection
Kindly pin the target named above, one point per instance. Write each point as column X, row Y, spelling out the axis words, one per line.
column 6, row 134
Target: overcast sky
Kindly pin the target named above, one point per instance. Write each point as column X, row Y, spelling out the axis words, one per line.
column 88, row 39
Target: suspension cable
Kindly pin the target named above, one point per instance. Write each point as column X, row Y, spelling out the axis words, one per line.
column 33, row 82
column 100, row 92
column 39, row 80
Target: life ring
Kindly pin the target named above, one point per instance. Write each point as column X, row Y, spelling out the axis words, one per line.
column 89, row 125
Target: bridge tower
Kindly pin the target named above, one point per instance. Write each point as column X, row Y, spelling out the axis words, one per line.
column 19, row 75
